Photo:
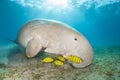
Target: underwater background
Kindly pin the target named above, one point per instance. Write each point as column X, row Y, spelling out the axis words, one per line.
column 97, row 20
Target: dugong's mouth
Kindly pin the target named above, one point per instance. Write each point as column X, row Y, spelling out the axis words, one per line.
column 80, row 64
column 77, row 62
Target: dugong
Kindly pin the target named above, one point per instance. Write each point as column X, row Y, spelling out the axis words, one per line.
column 55, row 38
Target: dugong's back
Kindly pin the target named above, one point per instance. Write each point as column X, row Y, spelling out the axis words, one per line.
column 50, row 27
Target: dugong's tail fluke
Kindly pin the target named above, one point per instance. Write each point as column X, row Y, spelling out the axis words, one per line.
column 18, row 47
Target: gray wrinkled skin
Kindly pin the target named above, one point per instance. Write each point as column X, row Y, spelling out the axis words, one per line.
column 56, row 38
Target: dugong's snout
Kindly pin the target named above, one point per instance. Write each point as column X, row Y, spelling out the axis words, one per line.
column 86, row 60
column 84, row 52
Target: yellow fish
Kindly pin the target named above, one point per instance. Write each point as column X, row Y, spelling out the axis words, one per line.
column 61, row 58
column 47, row 60
column 28, row 55
column 73, row 58
column 58, row 63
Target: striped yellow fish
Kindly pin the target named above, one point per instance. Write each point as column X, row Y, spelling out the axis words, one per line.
column 47, row 60
column 74, row 59
column 61, row 58
column 58, row 63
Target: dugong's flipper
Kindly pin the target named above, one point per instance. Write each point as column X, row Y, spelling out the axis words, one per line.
column 33, row 48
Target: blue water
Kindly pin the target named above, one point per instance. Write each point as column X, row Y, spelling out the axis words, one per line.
column 100, row 25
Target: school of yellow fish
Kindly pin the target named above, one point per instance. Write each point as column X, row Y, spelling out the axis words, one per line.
column 59, row 61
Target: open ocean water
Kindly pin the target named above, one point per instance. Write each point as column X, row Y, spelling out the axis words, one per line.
column 97, row 20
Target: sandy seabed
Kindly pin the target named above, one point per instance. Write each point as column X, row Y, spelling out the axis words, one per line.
column 105, row 66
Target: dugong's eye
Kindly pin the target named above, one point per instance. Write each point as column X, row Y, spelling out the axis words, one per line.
column 75, row 39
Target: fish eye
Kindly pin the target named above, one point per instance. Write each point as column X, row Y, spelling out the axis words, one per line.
column 75, row 39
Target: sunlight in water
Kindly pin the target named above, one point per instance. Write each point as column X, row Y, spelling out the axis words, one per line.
column 62, row 6
column 57, row 5
column 64, row 3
